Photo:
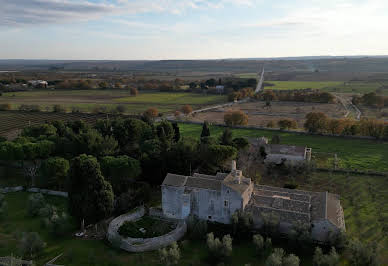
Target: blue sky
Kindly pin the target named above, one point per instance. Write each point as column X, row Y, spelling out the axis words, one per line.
column 191, row 29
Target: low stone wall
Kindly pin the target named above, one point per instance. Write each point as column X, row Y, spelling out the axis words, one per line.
column 11, row 189
column 142, row 244
column 35, row 190
column 157, row 212
column 48, row 192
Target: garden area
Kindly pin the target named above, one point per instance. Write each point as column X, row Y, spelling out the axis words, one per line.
column 146, row 227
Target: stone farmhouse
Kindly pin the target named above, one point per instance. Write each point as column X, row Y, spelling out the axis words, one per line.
column 216, row 198
column 278, row 153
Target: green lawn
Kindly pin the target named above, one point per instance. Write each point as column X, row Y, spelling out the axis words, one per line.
column 296, row 85
column 330, row 86
column 352, row 153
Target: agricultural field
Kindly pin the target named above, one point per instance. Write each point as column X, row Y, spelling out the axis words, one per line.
column 352, row 153
column 11, row 122
column 352, row 87
column 88, row 100
column 260, row 115
column 296, row 85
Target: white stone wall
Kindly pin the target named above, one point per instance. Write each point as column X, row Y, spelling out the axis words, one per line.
column 142, row 244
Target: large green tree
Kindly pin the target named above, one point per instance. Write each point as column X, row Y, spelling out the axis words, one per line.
column 54, row 172
column 90, row 195
column 120, row 171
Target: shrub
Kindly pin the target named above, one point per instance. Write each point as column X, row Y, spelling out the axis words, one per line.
column 196, row 228
column 59, row 224
column 291, row 260
column 170, row 256
column 121, row 109
column 242, row 223
column 59, row 108
column 35, row 203
column 276, row 258
column 219, row 250
column 240, row 143
column 287, row 124
column 235, row 118
column 151, row 113
column 361, row 254
column 29, row 107
column 187, row 109
column 3, row 206
column 290, row 185
column 258, row 242
column 5, row 107
column 330, row 259
column 271, row 124
column 75, row 109
column 134, row 92
column 31, row 245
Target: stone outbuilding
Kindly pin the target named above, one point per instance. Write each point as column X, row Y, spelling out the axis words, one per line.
column 278, row 153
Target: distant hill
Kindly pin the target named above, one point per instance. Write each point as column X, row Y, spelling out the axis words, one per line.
column 370, row 64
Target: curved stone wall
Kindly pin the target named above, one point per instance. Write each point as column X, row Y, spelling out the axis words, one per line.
column 142, row 244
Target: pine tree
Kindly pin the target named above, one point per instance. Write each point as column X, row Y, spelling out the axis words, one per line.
column 205, row 130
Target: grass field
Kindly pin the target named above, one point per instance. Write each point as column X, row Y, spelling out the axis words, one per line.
column 295, row 85
column 331, row 86
column 352, row 153
column 87, row 100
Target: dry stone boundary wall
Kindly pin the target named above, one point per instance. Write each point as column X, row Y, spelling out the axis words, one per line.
column 35, row 190
column 142, row 244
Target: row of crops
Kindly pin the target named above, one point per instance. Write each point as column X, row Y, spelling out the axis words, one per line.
column 14, row 120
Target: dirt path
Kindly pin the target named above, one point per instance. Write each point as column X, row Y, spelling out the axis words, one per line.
column 349, row 106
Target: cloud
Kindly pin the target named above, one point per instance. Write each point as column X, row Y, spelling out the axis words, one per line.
column 31, row 12
column 16, row 13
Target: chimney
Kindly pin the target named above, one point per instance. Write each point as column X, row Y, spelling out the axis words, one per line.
column 234, row 165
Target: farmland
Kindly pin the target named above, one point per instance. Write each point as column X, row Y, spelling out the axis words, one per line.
column 331, row 86
column 362, row 86
column 87, row 100
column 352, row 153
column 11, row 122
column 260, row 115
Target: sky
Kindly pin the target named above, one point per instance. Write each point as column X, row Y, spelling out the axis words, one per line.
column 191, row 29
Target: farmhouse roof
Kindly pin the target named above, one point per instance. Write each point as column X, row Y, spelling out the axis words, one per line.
column 174, row 180
column 289, row 202
column 205, row 183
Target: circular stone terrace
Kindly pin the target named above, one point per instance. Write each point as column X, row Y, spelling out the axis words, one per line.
column 132, row 244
